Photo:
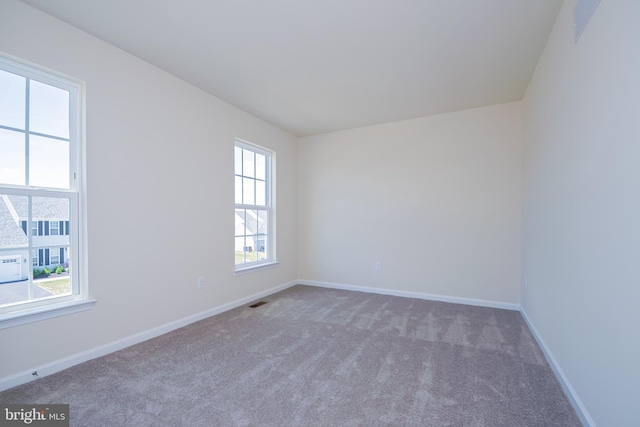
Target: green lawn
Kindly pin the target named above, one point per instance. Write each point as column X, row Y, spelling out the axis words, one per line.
column 56, row 287
column 251, row 256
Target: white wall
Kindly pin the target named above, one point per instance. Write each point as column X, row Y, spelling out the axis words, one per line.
column 436, row 200
column 582, row 207
column 160, row 194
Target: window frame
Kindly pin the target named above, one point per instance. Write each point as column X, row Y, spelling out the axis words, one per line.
column 269, row 207
column 36, row 310
column 57, row 228
column 51, row 256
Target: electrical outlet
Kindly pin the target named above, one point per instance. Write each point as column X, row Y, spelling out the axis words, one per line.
column 378, row 266
column 200, row 282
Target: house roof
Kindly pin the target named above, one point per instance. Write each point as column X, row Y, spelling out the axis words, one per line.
column 14, row 209
column 12, row 234
column 44, row 208
column 253, row 223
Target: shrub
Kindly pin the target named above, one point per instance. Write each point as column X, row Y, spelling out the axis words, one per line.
column 45, row 272
column 59, row 269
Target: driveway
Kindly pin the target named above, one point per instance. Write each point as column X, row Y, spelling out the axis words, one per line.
column 18, row 292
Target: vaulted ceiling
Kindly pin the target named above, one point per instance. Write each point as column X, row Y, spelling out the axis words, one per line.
column 314, row 66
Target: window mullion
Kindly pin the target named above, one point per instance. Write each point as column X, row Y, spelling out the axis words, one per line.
column 30, row 245
column 74, row 247
column 27, row 126
column 267, row 178
column 242, row 174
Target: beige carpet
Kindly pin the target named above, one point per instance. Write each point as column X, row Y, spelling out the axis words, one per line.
column 321, row 357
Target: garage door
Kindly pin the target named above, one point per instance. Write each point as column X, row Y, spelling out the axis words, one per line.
column 10, row 268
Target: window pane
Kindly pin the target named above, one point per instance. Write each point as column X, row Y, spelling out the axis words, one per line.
column 248, row 166
column 249, row 197
column 49, row 216
column 263, row 221
column 261, row 166
column 261, row 193
column 252, row 223
column 49, row 110
column 12, row 101
column 238, row 190
column 14, row 276
column 48, row 162
column 240, row 250
column 47, row 211
column 20, row 207
column 13, row 211
column 63, row 285
column 52, row 274
column 12, row 157
column 238, row 160
column 262, row 247
column 240, row 220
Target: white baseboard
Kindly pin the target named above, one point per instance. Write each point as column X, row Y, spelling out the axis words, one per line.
column 67, row 362
column 418, row 295
column 575, row 400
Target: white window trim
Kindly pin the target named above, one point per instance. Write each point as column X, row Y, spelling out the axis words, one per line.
column 271, row 208
column 48, row 308
column 36, row 314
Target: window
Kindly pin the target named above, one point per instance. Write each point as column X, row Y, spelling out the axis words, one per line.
column 40, row 190
column 55, row 259
column 254, row 210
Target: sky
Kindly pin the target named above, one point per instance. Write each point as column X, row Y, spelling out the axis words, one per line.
column 46, row 156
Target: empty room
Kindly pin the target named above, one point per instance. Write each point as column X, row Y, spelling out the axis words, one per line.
column 319, row 213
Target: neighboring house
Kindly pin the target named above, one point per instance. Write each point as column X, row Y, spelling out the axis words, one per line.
column 50, row 235
column 255, row 230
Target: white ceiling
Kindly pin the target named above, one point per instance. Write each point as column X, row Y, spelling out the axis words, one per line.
column 314, row 66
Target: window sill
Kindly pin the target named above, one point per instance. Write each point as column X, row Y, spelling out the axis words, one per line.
column 255, row 267
column 46, row 312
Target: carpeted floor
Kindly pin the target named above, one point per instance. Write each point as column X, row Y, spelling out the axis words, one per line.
column 321, row 357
